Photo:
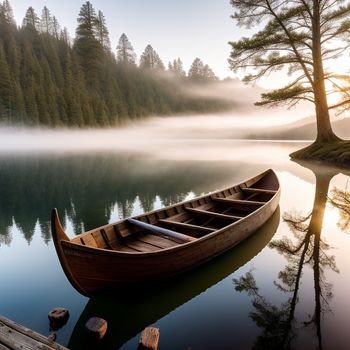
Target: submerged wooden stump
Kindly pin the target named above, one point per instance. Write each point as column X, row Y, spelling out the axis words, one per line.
column 96, row 327
column 149, row 339
column 58, row 318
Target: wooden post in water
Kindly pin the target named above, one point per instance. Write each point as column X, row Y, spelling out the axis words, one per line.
column 149, row 339
column 96, row 327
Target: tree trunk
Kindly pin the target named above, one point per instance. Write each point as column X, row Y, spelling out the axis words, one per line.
column 324, row 128
column 315, row 228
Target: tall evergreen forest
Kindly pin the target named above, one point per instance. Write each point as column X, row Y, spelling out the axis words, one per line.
column 49, row 79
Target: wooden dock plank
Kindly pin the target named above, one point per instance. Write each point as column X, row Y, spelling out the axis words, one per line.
column 28, row 333
column 18, row 341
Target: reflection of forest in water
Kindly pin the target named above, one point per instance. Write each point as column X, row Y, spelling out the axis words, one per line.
column 87, row 187
column 278, row 323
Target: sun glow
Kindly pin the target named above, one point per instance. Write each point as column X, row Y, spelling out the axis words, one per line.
column 331, row 217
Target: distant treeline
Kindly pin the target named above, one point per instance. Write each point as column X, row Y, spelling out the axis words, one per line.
column 49, row 79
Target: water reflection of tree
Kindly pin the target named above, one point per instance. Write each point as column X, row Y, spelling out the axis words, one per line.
column 340, row 199
column 5, row 236
column 278, row 323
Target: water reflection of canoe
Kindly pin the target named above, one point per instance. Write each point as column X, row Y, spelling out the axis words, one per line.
column 147, row 247
column 129, row 310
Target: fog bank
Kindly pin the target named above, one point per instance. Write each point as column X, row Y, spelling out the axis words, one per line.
column 169, row 137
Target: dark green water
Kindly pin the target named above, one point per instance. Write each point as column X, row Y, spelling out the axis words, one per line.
column 287, row 286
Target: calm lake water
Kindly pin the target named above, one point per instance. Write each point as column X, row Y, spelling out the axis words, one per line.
column 287, row 286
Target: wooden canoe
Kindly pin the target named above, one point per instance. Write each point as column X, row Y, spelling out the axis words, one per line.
column 148, row 303
column 167, row 241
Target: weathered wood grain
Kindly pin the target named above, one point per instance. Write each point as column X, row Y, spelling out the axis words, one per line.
column 3, row 347
column 187, row 226
column 214, row 214
column 149, row 339
column 96, row 327
column 160, row 230
column 15, row 327
column 18, row 341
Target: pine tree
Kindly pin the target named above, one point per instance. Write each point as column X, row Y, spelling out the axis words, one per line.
column 199, row 72
column 302, row 36
column 177, row 68
column 7, row 12
column 150, row 60
column 102, row 32
column 125, row 51
column 208, row 74
column 87, row 22
column 64, row 36
column 31, row 19
column 46, row 23
column 55, row 27
column 86, row 44
column 196, row 69
column 13, row 58
column 6, row 92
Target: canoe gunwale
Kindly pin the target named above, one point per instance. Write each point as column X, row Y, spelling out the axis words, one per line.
column 180, row 246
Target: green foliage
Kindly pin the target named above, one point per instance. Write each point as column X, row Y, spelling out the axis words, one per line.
column 102, row 32
column 31, row 19
column 336, row 152
column 300, row 36
column 48, row 80
column 125, row 51
column 199, row 72
column 151, row 60
column 176, row 68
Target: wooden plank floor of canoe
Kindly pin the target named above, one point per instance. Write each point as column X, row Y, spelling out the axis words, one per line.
column 157, row 240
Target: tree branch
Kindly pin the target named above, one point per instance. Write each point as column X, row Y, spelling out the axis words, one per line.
column 291, row 43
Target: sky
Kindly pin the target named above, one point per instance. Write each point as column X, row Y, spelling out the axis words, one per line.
column 181, row 28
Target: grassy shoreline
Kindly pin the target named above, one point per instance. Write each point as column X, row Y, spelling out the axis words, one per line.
column 335, row 152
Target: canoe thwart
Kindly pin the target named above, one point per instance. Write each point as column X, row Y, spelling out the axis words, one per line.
column 213, row 214
column 238, row 201
column 258, row 190
column 160, row 230
column 187, row 226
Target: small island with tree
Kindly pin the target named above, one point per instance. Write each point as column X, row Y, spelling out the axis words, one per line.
column 300, row 36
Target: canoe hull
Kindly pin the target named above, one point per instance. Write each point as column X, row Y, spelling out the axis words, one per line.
column 92, row 271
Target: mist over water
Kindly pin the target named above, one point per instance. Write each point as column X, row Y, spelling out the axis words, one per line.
column 153, row 135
